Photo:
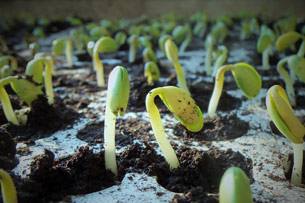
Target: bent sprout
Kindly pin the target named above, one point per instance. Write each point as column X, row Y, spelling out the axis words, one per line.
column 8, row 189
column 60, row 44
column 246, row 78
column 289, row 125
column 7, row 65
column 264, row 45
column 162, row 41
column 117, row 100
column 185, row 110
column 151, row 72
column 120, row 38
column 103, row 45
column 149, row 55
column 133, row 41
column 221, row 56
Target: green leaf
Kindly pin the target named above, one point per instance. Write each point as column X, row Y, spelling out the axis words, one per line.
column 297, row 64
column 58, row 46
column 179, row 33
column 247, row 79
column 263, row 43
column 286, row 40
column 105, row 45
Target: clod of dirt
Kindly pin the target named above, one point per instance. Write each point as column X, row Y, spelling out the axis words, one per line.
column 7, row 151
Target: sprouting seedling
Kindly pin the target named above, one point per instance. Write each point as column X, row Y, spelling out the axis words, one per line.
column 264, row 45
column 34, row 47
column 133, row 42
column 162, row 41
column 151, row 71
column 246, row 78
column 187, row 40
column 116, row 104
column 3, row 44
column 201, row 23
column 103, row 45
column 249, row 26
column 284, row 119
column 39, row 32
column 219, row 31
column 98, row 32
column 149, row 55
column 225, row 18
column 8, row 189
column 7, row 65
column 24, row 88
column 235, row 187
column 286, row 24
column 172, row 55
column 41, row 70
column 221, row 56
column 120, row 38
column 179, row 33
column 153, row 31
column 185, row 110
column 74, row 34
column 90, row 47
column 49, row 57
column 209, row 44
column 296, row 63
column 58, row 47
column 145, row 41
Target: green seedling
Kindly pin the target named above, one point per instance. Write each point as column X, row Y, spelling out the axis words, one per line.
column 41, row 70
column 235, row 187
column 43, row 21
column 264, row 45
column 221, row 56
column 34, row 47
column 133, row 42
column 151, row 71
column 39, row 32
column 90, row 47
column 296, row 63
column 185, row 110
column 109, row 25
column 168, row 27
column 224, row 18
column 246, row 78
column 200, row 19
column 103, row 45
column 75, row 35
column 149, row 55
column 219, row 31
column 98, row 32
column 179, row 33
column 187, row 40
column 3, row 44
column 74, row 21
column 145, row 41
column 286, row 24
column 249, row 27
column 24, row 88
column 153, row 31
column 49, row 57
column 209, row 44
column 289, row 125
column 8, row 189
column 172, row 55
column 120, row 38
column 117, row 100
column 8, row 64
column 58, row 47
column 162, row 41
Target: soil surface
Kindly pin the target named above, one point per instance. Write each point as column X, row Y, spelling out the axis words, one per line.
column 7, row 151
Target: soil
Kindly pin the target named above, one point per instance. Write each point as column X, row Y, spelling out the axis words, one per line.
column 7, row 151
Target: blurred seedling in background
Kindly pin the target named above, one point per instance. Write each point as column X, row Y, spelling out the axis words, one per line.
column 8, row 64
column 264, row 45
column 249, row 27
column 246, row 78
column 103, row 45
column 220, row 56
column 61, row 44
column 296, row 63
column 200, row 19
column 282, row 115
column 286, row 24
column 183, row 36
column 162, row 41
column 98, row 32
column 145, row 41
column 49, row 57
column 3, row 45
column 151, row 71
column 8, row 189
column 149, row 55
column 34, row 47
column 134, row 43
column 116, row 104
column 120, row 38
column 75, row 35
column 209, row 44
column 185, row 110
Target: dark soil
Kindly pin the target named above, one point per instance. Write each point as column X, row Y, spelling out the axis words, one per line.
column 7, row 151
column 43, row 120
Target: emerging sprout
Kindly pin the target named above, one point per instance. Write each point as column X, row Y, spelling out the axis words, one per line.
column 90, row 46
column 264, row 45
column 283, row 117
column 75, row 35
column 162, row 41
column 39, row 32
column 149, row 55
column 34, row 47
column 58, row 47
column 145, row 42
column 219, row 31
column 201, row 23
column 224, row 18
column 286, row 24
column 3, row 44
column 187, row 40
column 179, row 33
column 172, row 55
column 49, row 57
column 249, row 26
column 103, row 45
column 41, row 70
column 209, row 44
column 120, row 38
column 235, row 187
column 117, row 100
column 221, row 56
column 151, row 72
column 7, row 66
column 7, row 188
column 185, row 110
column 246, row 78
column 133, row 41
column 24, row 88
column 98, row 32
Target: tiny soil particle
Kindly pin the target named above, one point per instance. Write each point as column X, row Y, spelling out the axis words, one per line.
column 7, row 151
column 288, row 173
column 215, row 129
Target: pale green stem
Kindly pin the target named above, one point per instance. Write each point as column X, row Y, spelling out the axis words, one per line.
column 109, row 141
column 8, row 189
column 48, row 82
column 220, row 60
column 296, row 176
column 185, row 43
column 287, row 80
column 69, row 51
column 266, row 65
column 301, row 51
column 208, row 60
column 180, row 77
column 158, row 129
column 132, row 53
column 7, row 107
column 217, row 89
column 98, row 67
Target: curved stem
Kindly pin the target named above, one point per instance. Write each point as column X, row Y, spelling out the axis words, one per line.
column 98, row 67
column 132, row 53
column 266, row 65
column 287, row 80
column 208, row 60
column 217, row 89
column 296, row 176
column 48, row 82
column 69, row 50
column 180, row 77
column 158, row 129
column 301, row 51
column 7, row 188
column 7, row 107
column 109, row 141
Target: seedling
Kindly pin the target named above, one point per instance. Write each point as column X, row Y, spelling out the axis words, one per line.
column 117, row 100
column 179, row 33
column 185, row 110
column 264, row 45
column 58, row 47
column 75, row 35
column 162, row 41
column 209, row 44
column 172, row 55
column 24, row 88
column 7, row 65
column 187, row 40
column 41, row 70
column 151, row 71
column 249, row 26
column 3, row 44
column 235, row 187
column 98, row 32
column 225, row 18
column 246, row 78
column 103, row 45
column 34, row 47
column 149, row 55
column 133, row 42
column 49, row 57
column 145, row 41
column 120, row 38
column 221, row 56
column 219, row 31
column 201, row 23
column 90, row 46
column 296, row 63
column 39, row 32
column 289, row 125
column 286, row 24
column 8, row 189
